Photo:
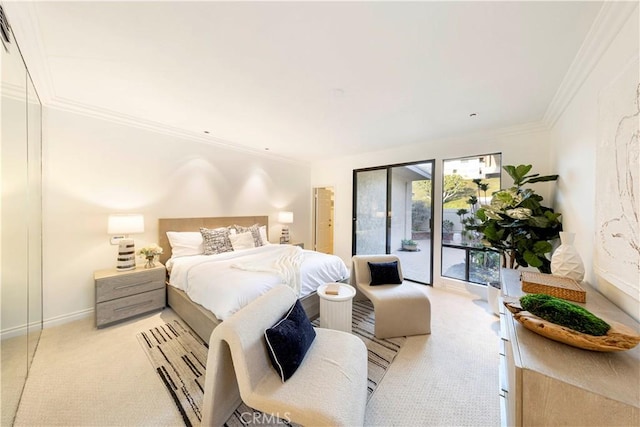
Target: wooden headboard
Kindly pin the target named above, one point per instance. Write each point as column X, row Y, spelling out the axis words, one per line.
column 194, row 224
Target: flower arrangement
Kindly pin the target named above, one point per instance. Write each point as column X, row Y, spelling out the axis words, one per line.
column 150, row 250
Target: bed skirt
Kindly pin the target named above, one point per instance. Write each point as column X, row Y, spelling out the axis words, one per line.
column 202, row 321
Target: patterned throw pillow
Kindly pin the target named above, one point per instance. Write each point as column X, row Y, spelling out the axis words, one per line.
column 216, row 241
column 255, row 232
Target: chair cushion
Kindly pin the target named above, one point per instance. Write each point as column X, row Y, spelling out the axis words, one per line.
column 288, row 341
column 384, row 273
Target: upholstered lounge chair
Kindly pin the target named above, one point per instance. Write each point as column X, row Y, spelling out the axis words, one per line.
column 328, row 389
column 400, row 309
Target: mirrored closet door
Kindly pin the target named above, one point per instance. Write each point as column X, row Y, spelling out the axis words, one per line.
column 20, row 226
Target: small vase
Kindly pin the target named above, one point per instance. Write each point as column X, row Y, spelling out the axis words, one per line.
column 566, row 260
column 150, row 261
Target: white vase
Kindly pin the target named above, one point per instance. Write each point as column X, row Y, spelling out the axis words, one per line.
column 566, row 260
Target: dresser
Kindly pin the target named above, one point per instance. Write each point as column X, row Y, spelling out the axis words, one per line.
column 121, row 295
column 546, row 383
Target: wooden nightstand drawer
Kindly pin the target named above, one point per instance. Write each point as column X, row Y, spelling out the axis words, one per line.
column 125, row 284
column 123, row 308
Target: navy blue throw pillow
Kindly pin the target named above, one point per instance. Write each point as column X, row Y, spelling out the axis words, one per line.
column 384, row 273
column 288, row 341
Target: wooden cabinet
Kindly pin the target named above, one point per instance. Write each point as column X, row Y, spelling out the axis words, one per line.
column 122, row 295
column 544, row 382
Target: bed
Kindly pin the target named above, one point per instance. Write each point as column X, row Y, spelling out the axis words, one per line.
column 200, row 286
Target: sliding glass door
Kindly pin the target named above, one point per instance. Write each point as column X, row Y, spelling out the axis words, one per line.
column 370, row 222
column 392, row 207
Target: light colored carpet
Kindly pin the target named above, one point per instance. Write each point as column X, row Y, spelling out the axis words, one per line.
column 179, row 357
column 447, row 378
column 87, row 377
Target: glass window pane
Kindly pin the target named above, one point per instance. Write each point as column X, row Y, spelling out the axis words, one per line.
column 453, row 263
column 467, row 184
column 484, row 267
column 371, row 212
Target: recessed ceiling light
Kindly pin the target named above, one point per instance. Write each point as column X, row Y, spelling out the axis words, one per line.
column 266, row 149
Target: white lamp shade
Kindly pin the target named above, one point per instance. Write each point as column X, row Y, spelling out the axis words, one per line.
column 285, row 217
column 125, row 224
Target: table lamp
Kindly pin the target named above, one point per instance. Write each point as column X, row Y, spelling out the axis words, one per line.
column 285, row 218
column 121, row 226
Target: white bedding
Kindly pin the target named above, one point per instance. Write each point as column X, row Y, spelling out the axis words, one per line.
column 226, row 282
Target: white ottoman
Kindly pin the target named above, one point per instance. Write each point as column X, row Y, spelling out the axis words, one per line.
column 335, row 310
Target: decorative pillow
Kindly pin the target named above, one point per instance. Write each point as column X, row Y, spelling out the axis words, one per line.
column 384, row 273
column 255, row 232
column 263, row 234
column 288, row 341
column 242, row 241
column 185, row 243
column 216, row 241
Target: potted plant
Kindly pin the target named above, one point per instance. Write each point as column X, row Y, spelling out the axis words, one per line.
column 517, row 225
column 409, row 245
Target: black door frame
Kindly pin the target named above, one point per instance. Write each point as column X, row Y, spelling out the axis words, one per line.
column 388, row 207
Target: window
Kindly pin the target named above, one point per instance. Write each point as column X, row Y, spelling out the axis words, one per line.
column 467, row 184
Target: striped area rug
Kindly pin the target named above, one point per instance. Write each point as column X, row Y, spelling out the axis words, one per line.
column 179, row 357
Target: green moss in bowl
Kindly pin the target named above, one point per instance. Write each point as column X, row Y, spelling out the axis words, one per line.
column 564, row 313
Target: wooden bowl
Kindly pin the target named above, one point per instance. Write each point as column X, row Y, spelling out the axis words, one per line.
column 620, row 337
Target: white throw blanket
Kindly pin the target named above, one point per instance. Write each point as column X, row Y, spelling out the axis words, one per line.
column 286, row 264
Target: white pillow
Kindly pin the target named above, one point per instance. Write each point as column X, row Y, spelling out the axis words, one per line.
column 242, row 241
column 185, row 243
column 263, row 234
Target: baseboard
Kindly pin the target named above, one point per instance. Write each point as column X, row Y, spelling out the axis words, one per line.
column 48, row 323
column 66, row 318
column 461, row 286
column 13, row 332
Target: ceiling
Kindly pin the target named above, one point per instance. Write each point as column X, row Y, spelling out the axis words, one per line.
column 305, row 80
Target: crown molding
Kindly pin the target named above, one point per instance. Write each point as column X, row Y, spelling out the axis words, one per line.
column 608, row 23
column 24, row 23
column 74, row 107
column 13, row 91
column 521, row 129
column 26, row 34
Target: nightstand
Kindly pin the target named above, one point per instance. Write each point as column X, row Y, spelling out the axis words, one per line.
column 297, row 244
column 121, row 295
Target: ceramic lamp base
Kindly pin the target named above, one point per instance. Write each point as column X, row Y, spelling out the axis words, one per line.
column 126, row 255
column 285, row 235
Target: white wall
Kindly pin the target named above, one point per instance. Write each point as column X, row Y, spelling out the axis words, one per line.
column 574, row 144
column 525, row 145
column 93, row 167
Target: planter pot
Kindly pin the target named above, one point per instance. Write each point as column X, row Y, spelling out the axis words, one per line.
column 493, row 294
column 410, row 248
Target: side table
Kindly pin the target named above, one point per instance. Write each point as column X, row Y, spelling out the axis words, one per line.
column 121, row 295
column 335, row 310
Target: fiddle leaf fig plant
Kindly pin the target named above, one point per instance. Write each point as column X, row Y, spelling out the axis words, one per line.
column 516, row 224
